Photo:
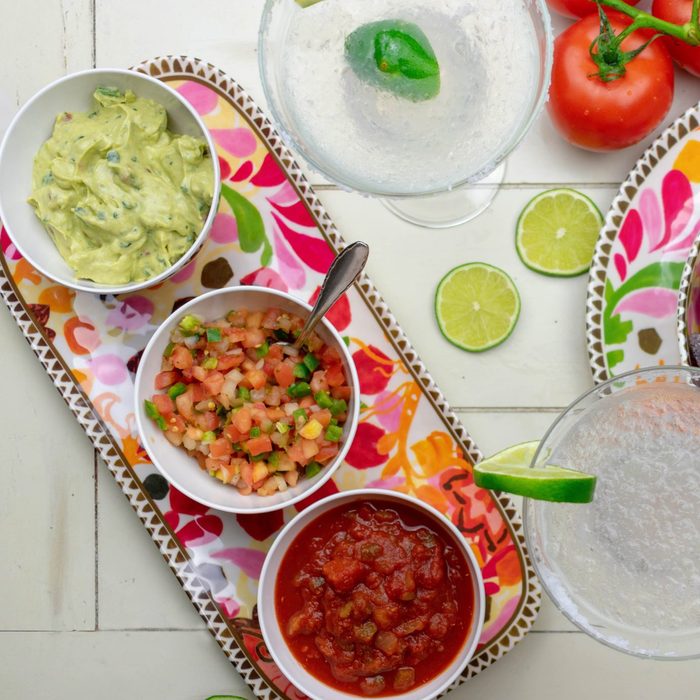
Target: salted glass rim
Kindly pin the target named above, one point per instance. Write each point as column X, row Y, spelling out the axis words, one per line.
column 546, row 53
column 531, row 529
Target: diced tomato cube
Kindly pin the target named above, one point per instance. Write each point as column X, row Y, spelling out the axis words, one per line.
column 258, row 445
column 197, row 392
column 207, row 421
column 341, row 392
column 233, row 434
column 213, row 464
column 257, row 378
column 165, row 379
column 330, row 356
column 164, row 404
column 181, row 357
column 335, row 376
column 296, row 454
column 177, row 424
column 284, row 374
column 229, row 362
column 213, row 383
column 323, row 417
column 220, row 448
column 275, row 352
column 199, row 373
column 242, row 421
column 327, row 453
column 307, row 402
column 254, row 338
column 235, row 335
column 184, row 405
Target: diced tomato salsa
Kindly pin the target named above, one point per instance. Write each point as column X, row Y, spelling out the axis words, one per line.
column 254, row 413
column 374, row 598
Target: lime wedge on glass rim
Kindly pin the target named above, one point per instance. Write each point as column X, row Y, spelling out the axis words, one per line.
column 557, row 232
column 305, row 3
column 476, row 306
column 510, row 471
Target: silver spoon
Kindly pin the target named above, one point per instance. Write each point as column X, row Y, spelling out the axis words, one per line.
column 344, row 270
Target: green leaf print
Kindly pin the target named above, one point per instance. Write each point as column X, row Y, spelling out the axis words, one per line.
column 251, row 230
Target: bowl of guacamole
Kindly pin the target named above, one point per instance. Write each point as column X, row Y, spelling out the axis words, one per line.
column 109, row 181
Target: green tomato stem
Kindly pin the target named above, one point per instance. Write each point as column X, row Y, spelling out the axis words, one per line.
column 688, row 32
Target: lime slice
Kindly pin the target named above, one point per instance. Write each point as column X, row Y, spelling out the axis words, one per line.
column 477, row 306
column 557, row 232
column 509, row 471
column 304, row 3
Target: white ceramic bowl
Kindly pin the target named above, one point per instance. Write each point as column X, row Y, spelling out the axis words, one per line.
column 33, row 125
column 181, row 469
column 272, row 633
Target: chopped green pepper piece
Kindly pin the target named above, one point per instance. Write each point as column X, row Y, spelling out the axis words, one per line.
column 311, row 362
column 323, row 399
column 300, row 416
column 243, row 393
column 299, row 390
column 263, row 350
column 168, row 350
column 214, row 335
column 209, row 436
column 151, row 410
column 259, row 458
column 339, row 406
column 160, row 422
column 334, row 421
column 255, row 432
column 282, row 427
column 334, row 433
column 189, row 324
column 177, row 389
column 301, row 371
column 312, row 469
column 274, row 460
column 210, row 363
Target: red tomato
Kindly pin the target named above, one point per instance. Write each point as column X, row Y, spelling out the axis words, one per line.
column 181, row 357
column 164, row 404
column 165, row 379
column 678, row 12
column 602, row 116
column 577, row 8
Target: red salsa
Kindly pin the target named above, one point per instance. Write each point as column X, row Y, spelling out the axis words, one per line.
column 374, row 598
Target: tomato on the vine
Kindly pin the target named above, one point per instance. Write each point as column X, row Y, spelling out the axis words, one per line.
column 621, row 107
column 678, row 12
column 578, row 8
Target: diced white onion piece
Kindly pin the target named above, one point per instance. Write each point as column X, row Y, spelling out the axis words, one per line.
column 257, row 394
column 290, row 407
column 290, row 350
column 191, row 340
column 235, row 376
column 281, row 483
column 228, row 389
column 260, row 364
column 189, row 443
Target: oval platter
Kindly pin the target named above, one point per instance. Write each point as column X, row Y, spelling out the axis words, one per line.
column 635, row 277
column 271, row 230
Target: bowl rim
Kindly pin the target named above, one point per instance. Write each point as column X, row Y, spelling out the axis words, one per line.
column 296, row 524
column 684, row 301
column 95, row 288
column 325, row 474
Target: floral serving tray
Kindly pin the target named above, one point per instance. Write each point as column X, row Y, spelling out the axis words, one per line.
column 408, row 439
column 688, row 319
column 640, row 255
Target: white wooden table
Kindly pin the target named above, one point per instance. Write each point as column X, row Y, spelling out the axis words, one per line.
column 87, row 606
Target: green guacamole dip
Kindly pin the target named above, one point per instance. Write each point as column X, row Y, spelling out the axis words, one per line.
column 122, row 197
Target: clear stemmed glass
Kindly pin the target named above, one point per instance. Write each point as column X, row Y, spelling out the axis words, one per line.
column 624, row 568
column 436, row 163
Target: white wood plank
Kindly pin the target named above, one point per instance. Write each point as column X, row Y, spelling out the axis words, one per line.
column 544, row 362
column 189, row 666
column 41, row 41
column 136, row 589
column 46, row 499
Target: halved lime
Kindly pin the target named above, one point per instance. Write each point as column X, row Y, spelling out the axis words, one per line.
column 477, row 306
column 557, row 232
column 509, row 470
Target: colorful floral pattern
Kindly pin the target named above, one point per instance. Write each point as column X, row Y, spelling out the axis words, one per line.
column 264, row 234
column 642, row 270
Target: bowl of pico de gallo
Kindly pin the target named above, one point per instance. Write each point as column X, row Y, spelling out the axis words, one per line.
column 231, row 414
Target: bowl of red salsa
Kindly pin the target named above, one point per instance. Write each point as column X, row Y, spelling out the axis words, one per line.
column 235, row 417
column 371, row 593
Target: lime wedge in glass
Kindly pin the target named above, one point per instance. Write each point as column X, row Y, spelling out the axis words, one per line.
column 509, row 471
column 396, row 56
column 477, row 306
column 304, row 3
column 557, row 232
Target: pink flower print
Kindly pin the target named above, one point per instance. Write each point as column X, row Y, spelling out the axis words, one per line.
column 132, row 314
column 202, row 98
column 109, row 369
column 239, row 142
column 8, row 247
column 224, row 229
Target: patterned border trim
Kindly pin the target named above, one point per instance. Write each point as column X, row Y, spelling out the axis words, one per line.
column 227, row 634
column 684, row 299
column 595, row 299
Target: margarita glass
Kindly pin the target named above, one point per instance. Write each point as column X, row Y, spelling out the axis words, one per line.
column 625, row 568
column 417, row 155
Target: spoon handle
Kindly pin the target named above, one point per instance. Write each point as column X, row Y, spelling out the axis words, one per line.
column 344, row 270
